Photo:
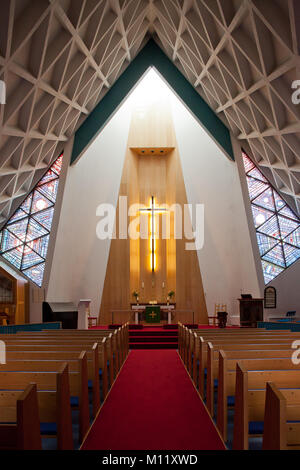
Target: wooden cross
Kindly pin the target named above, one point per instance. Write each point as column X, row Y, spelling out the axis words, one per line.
column 152, row 210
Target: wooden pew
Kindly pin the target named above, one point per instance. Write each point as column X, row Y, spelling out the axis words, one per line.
column 201, row 348
column 227, row 375
column 250, row 392
column 116, row 345
column 55, row 357
column 20, row 413
column 190, row 337
column 281, row 419
column 53, row 391
column 64, row 346
column 213, row 359
column 78, row 380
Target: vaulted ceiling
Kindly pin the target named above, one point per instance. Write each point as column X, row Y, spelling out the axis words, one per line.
column 58, row 58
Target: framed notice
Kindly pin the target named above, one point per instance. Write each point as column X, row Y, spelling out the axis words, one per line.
column 270, row 297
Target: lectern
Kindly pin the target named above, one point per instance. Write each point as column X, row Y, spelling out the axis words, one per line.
column 251, row 311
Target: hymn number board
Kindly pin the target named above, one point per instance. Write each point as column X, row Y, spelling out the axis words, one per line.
column 270, row 297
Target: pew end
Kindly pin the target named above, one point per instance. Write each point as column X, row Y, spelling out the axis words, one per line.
column 25, row 434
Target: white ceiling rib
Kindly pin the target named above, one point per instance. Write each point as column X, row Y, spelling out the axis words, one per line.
column 58, row 58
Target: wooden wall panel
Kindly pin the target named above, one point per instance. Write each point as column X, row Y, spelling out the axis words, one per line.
column 128, row 266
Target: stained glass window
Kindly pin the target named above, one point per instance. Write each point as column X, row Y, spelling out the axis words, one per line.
column 277, row 226
column 25, row 237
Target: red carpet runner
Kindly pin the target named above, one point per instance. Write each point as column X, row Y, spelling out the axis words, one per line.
column 153, row 406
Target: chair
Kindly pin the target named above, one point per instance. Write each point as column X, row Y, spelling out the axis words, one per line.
column 222, row 319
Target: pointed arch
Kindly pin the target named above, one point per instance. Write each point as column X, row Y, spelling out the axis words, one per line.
column 151, row 56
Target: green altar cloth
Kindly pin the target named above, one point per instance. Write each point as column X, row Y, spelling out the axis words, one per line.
column 152, row 314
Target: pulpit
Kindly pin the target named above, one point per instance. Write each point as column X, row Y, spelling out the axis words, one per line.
column 251, row 311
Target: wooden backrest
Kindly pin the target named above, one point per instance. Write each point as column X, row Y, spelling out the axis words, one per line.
column 53, row 398
column 281, row 406
column 250, row 394
column 20, row 408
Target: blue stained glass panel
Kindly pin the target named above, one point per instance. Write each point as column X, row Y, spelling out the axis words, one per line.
column 30, row 258
column 25, row 237
column 271, row 228
column 27, row 204
column 14, row 256
column 277, row 226
column 34, row 230
column 288, row 213
column 294, row 238
column 49, row 190
column 40, row 245
column 279, row 203
column 19, row 228
column 36, row 273
column 275, row 256
column 287, row 226
column 49, row 176
column 291, row 253
column 260, row 215
column 9, row 241
column 19, row 214
column 40, row 202
column 255, row 173
column 270, row 271
column 255, row 187
column 265, row 200
column 265, row 243
column 45, row 218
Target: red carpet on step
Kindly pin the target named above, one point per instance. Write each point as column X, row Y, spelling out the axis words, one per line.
column 153, row 405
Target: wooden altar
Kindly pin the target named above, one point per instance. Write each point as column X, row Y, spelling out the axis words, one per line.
column 166, row 310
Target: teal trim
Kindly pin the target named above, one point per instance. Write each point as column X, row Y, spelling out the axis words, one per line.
column 150, row 55
column 13, row 329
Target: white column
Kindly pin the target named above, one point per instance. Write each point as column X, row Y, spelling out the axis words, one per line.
column 83, row 314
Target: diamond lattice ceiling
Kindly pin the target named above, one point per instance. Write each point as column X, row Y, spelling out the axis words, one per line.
column 59, row 57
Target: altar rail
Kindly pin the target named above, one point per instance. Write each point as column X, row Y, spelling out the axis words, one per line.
column 13, row 329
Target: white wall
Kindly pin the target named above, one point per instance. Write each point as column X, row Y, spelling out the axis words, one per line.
column 226, row 260
column 80, row 258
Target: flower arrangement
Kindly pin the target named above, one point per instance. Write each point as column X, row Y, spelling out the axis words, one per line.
column 135, row 294
column 170, row 295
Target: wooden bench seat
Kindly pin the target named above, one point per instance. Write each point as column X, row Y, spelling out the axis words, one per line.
column 201, row 353
column 20, row 413
column 78, row 379
column 104, row 349
column 227, row 379
column 53, row 393
column 250, row 393
column 281, row 419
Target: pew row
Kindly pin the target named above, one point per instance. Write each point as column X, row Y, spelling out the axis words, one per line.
column 53, row 396
column 250, row 394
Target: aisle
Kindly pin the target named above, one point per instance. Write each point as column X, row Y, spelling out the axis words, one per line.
column 153, row 405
